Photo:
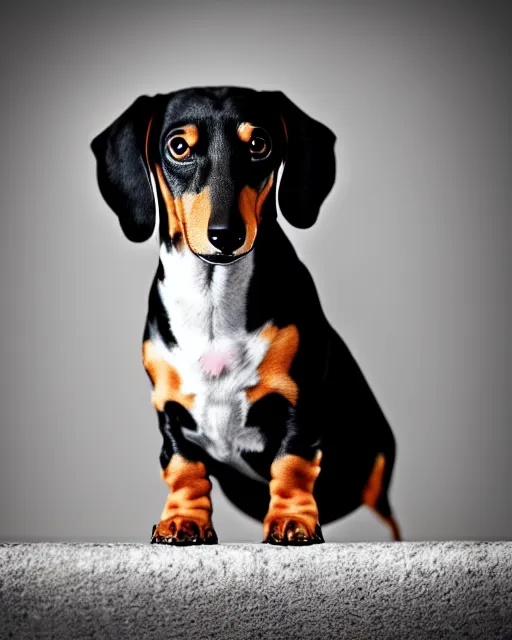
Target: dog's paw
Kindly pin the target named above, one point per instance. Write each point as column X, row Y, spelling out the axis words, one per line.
column 287, row 531
column 182, row 531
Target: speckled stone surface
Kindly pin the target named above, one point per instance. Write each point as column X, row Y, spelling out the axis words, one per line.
column 357, row 591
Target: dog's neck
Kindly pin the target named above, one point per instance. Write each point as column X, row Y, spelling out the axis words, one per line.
column 204, row 302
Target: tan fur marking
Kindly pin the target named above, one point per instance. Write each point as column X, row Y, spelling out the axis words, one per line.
column 166, row 380
column 393, row 525
column 147, row 142
column 262, row 196
column 274, row 369
column 190, row 134
column 283, row 122
column 194, row 213
column 373, row 491
column 245, row 130
column 247, row 206
column 174, row 223
column 291, row 491
column 189, row 488
column 373, row 487
column 250, row 203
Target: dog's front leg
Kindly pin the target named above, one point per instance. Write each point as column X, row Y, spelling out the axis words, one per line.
column 292, row 517
column 186, row 517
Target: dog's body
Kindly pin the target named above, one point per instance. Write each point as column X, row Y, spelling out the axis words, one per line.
column 251, row 383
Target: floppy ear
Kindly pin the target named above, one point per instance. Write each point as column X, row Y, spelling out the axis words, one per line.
column 309, row 168
column 123, row 172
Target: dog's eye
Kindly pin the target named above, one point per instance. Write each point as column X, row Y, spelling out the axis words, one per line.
column 179, row 148
column 259, row 144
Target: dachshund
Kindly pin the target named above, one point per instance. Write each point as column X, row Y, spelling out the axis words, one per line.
column 250, row 382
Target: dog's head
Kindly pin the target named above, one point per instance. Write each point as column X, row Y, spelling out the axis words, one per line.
column 209, row 159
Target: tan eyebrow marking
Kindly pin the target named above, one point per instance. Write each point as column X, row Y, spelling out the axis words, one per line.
column 245, row 130
column 189, row 132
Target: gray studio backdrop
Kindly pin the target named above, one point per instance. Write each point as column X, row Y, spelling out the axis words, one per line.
column 410, row 253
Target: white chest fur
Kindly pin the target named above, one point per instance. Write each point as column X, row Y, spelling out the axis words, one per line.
column 216, row 357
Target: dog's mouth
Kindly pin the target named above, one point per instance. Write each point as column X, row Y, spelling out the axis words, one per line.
column 221, row 258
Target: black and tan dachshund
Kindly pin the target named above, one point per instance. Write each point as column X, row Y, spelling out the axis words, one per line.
column 250, row 382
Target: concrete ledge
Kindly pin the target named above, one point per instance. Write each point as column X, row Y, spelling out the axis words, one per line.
column 233, row 591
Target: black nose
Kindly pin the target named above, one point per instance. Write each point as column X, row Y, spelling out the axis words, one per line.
column 227, row 240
